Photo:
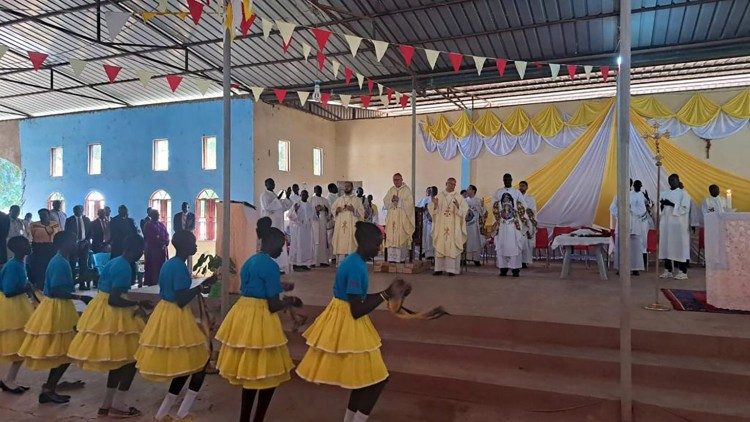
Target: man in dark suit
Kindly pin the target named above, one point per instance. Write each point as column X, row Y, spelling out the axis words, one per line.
column 100, row 233
column 4, row 230
column 184, row 220
column 120, row 228
column 80, row 226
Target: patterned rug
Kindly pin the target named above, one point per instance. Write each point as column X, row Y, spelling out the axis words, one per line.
column 694, row 301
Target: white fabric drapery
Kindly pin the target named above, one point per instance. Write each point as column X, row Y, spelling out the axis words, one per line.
column 723, row 126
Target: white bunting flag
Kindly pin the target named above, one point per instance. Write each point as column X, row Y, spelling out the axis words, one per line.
column 267, row 26
column 257, row 90
column 78, row 65
column 145, row 75
column 115, row 22
column 345, row 99
column 303, row 97
column 380, row 47
column 555, row 69
column 397, row 96
column 162, row 7
column 306, row 49
column 3, row 50
column 202, row 85
column 380, row 89
column 354, row 42
column 335, row 68
column 286, row 29
column 587, row 70
column 479, row 63
column 432, row 56
column 520, row 67
column 384, row 100
column 360, row 79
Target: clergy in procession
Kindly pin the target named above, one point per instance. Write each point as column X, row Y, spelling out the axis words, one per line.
column 333, row 195
column 427, row 251
column 399, row 223
column 448, row 210
column 474, row 222
column 273, row 207
column 639, row 226
column 530, row 226
column 347, row 210
column 674, row 237
column 714, row 202
column 322, row 214
column 301, row 247
column 508, row 234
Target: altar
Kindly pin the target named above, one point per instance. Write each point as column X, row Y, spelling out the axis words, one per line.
column 727, row 243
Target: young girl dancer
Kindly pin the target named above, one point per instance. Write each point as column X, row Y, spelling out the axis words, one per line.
column 15, row 311
column 172, row 346
column 51, row 327
column 344, row 348
column 108, row 331
column 253, row 352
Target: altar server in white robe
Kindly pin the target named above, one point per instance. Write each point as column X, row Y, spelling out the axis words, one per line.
column 333, row 195
column 274, row 207
column 399, row 222
column 427, row 251
column 474, row 221
column 321, row 218
column 530, row 225
column 639, row 226
column 714, row 202
column 347, row 210
column 674, row 236
column 448, row 210
column 301, row 246
column 509, row 238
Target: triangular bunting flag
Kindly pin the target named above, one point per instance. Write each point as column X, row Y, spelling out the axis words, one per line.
column 112, row 72
column 306, row 49
column 354, row 42
column 147, row 16
column 500, row 64
column 229, row 20
column 520, row 67
column 555, row 70
column 365, row 100
column 404, row 101
column 389, row 94
column 77, row 65
column 538, row 65
column 572, row 71
column 115, row 22
column 234, row 85
column 162, row 6
column 321, row 37
column 202, row 85
column 370, row 85
column 37, row 59
column 196, row 10
column 174, row 81
column 456, row 59
column 380, row 48
column 280, row 94
column 145, row 75
column 432, row 56
column 348, row 73
column 247, row 22
column 407, row 52
column 479, row 63
column 345, row 99
column 303, row 95
column 321, row 60
column 383, row 100
column 247, row 6
column 587, row 71
column 256, row 90
column 324, row 98
column 360, row 79
column 335, row 68
column 285, row 46
column 3, row 50
column 605, row 72
column 286, row 30
column 380, row 89
column 267, row 26
column 398, row 96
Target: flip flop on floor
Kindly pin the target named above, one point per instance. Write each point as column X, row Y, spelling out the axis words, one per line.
column 75, row 385
column 132, row 412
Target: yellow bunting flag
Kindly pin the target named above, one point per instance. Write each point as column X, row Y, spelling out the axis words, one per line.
column 147, row 16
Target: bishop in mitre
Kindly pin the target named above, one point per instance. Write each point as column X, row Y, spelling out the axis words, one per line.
column 399, row 223
column 347, row 210
column 448, row 210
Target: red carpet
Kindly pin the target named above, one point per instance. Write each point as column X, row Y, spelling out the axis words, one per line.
column 694, row 301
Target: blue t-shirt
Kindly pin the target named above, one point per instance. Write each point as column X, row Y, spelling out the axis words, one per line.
column 260, row 277
column 174, row 276
column 13, row 277
column 351, row 278
column 59, row 276
column 116, row 274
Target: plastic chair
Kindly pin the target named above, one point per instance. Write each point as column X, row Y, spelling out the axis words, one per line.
column 542, row 242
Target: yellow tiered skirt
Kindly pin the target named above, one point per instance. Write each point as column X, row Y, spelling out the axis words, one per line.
column 253, row 346
column 107, row 336
column 342, row 351
column 14, row 314
column 171, row 345
column 49, row 331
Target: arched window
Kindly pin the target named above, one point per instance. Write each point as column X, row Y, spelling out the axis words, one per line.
column 162, row 202
column 56, row 196
column 94, row 202
column 205, row 215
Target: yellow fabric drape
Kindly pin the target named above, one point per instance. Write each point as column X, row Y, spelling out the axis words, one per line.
column 650, row 107
column 440, row 130
column 608, row 189
column 517, row 122
column 548, row 122
column 588, row 112
column 462, row 127
column 698, row 111
column 739, row 106
column 487, row 125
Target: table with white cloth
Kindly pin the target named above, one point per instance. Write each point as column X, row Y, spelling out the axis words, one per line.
column 727, row 264
column 594, row 243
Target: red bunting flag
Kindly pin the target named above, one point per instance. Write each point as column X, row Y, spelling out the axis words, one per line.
column 370, row 85
column 365, row 99
column 111, row 72
column 321, row 36
column 174, row 81
column 538, row 65
column 37, row 59
column 389, row 93
column 247, row 23
column 196, row 10
column 285, row 46
column 348, row 73
column 501, row 63
column 605, row 72
column 324, row 97
column 280, row 94
column 404, row 101
column 456, row 59
column 407, row 52
column 234, row 86
column 321, row 60
column 572, row 71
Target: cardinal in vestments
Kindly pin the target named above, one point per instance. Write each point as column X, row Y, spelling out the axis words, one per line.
column 448, row 210
column 347, row 210
column 399, row 223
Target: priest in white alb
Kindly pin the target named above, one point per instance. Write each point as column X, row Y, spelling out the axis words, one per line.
column 301, row 248
column 347, row 210
column 399, row 223
column 448, row 210
column 321, row 218
column 530, row 224
column 427, row 250
column 333, row 195
column 639, row 226
column 507, row 230
column 273, row 206
column 714, row 202
column 674, row 235
column 474, row 222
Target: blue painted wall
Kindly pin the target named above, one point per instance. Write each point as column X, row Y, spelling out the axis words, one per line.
column 126, row 136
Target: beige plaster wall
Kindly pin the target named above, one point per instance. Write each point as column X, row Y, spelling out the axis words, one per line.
column 10, row 144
